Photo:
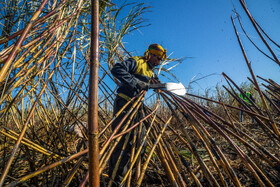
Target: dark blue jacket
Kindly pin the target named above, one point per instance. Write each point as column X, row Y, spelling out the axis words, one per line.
column 129, row 71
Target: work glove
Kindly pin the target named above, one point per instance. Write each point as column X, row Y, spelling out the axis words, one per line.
column 141, row 85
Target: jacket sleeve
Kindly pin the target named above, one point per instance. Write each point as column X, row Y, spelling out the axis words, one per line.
column 155, row 78
column 124, row 72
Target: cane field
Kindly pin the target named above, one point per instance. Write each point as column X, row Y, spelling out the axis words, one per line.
column 190, row 140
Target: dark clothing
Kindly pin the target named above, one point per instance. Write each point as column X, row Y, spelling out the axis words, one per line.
column 125, row 159
column 248, row 103
column 249, row 95
column 128, row 72
column 123, row 166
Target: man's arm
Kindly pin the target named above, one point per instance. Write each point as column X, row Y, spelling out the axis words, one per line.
column 125, row 72
column 155, row 79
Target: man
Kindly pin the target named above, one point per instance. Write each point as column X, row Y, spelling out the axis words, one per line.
column 247, row 102
column 135, row 75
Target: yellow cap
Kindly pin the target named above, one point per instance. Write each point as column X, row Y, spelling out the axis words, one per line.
column 156, row 49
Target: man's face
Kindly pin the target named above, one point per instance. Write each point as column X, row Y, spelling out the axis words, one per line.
column 155, row 60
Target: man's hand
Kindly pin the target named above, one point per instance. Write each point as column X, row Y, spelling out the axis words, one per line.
column 141, row 85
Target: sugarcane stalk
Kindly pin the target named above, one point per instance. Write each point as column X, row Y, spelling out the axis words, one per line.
column 274, row 126
column 128, row 182
column 242, row 2
column 244, row 157
column 136, row 104
column 193, row 149
column 73, row 172
column 8, row 63
column 139, row 150
column 7, row 167
column 32, row 145
column 174, row 164
column 46, row 168
column 151, row 153
column 127, row 137
column 105, row 156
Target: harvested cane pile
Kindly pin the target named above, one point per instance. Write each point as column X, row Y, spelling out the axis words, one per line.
column 44, row 62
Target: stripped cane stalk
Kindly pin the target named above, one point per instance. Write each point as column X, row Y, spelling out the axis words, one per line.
column 230, row 106
column 241, row 132
column 84, row 181
column 151, row 153
column 252, row 167
column 173, row 162
column 139, row 122
column 94, row 177
column 266, row 152
column 128, row 182
column 248, row 145
column 127, row 137
column 225, row 166
column 166, row 166
column 8, row 63
column 256, row 28
column 165, row 159
column 271, row 101
column 73, row 172
column 264, row 126
column 138, row 164
column 40, row 20
column 42, row 117
column 183, row 160
column 274, row 126
column 193, row 149
column 106, row 155
column 136, row 104
column 32, row 145
column 138, row 151
column 207, row 146
column 46, row 168
column 7, row 167
column 251, row 39
column 244, row 157
column 117, row 114
column 186, row 165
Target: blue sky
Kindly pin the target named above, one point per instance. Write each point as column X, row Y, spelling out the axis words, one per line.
column 202, row 29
